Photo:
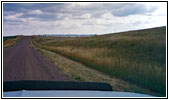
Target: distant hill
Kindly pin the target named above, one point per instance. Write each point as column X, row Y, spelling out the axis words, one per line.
column 68, row 35
column 137, row 31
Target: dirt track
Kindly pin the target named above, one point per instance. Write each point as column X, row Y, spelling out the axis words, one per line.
column 22, row 62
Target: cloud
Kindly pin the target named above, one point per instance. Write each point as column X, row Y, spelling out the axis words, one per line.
column 133, row 9
column 86, row 16
column 98, row 18
column 13, row 17
column 35, row 12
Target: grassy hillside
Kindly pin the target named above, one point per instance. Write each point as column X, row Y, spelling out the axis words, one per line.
column 136, row 56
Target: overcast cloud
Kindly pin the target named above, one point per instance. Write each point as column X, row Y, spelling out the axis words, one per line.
column 81, row 18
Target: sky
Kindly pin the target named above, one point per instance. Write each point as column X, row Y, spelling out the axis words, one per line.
column 81, row 18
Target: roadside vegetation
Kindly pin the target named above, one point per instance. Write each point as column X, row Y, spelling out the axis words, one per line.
column 11, row 40
column 8, row 37
column 138, row 57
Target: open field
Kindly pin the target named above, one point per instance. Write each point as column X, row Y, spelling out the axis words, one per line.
column 11, row 40
column 138, row 57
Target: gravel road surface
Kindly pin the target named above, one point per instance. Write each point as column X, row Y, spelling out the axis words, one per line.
column 23, row 62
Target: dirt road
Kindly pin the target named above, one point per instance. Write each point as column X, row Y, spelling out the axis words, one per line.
column 22, row 62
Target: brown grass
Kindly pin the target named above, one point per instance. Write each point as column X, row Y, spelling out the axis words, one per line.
column 72, row 68
column 12, row 41
column 137, row 57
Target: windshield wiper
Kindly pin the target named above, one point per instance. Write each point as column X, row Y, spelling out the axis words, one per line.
column 54, row 85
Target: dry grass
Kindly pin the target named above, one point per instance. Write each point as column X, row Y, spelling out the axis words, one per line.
column 137, row 57
column 72, row 68
column 12, row 41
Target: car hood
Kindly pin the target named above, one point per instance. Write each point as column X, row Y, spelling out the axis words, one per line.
column 71, row 93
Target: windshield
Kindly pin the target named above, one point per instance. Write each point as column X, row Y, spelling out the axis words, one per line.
column 122, row 45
